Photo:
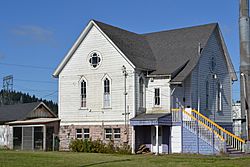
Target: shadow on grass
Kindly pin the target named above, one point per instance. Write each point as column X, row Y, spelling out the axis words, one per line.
column 105, row 162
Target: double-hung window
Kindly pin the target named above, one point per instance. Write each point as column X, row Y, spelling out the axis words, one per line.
column 106, row 93
column 219, row 97
column 108, row 133
column 82, row 133
column 83, row 93
column 141, row 87
column 157, row 98
column 207, row 94
column 112, row 133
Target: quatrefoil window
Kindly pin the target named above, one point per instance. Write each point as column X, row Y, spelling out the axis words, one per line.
column 95, row 59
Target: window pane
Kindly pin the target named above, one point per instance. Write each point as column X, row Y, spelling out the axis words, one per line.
column 157, row 96
column 117, row 136
column 117, row 130
column 86, row 130
column 78, row 130
column 108, row 136
column 83, row 93
column 109, row 130
column 78, row 136
column 86, row 136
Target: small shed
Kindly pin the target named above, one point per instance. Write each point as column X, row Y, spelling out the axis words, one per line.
column 28, row 126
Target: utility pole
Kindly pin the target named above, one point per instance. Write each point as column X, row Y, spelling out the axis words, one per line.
column 245, row 66
column 125, row 74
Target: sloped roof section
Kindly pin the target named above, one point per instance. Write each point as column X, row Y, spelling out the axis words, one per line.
column 134, row 46
column 174, row 48
column 171, row 52
column 18, row 111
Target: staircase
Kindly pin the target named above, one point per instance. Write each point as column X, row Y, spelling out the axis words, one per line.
column 207, row 132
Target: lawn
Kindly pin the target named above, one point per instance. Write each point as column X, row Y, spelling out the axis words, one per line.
column 65, row 159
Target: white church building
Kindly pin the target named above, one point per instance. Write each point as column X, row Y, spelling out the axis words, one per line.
column 133, row 88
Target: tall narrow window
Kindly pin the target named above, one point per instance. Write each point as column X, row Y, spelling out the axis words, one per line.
column 207, row 94
column 219, row 97
column 83, row 93
column 141, row 84
column 106, row 96
column 157, row 97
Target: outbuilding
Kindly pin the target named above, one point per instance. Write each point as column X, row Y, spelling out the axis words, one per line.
column 28, row 126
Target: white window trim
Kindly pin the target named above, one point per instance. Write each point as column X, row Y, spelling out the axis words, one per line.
column 88, row 57
column 110, row 88
column 78, row 133
column 154, row 96
column 144, row 92
column 82, row 133
column 207, row 84
column 112, row 134
column 113, row 130
column 80, row 98
column 219, row 97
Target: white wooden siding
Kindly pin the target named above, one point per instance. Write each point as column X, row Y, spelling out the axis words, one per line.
column 78, row 66
column 164, row 86
column 203, row 72
column 194, row 86
column 176, row 139
column 6, row 133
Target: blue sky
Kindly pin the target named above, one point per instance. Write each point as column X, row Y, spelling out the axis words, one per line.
column 40, row 32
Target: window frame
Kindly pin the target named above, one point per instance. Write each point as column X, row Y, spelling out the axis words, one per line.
column 78, row 133
column 142, row 93
column 117, row 133
column 82, row 106
column 82, row 133
column 207, row 94
column 91, row 55
column 159, row 96
column 106, row 77
column 219, row 97
column 112, row 134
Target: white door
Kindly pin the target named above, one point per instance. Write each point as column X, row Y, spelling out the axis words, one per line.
column 153, row 139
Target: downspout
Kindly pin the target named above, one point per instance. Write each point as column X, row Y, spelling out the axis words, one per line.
column 198, row 96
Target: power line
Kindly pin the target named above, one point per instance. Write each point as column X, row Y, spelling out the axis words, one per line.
column 35, row 81
column 50, row 94
column 27, row 66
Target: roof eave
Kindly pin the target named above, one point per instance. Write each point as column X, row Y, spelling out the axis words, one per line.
column 73, row 49
column 78, row 42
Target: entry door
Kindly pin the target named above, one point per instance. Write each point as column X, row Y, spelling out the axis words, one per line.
column 17, row 138
column 153, row 139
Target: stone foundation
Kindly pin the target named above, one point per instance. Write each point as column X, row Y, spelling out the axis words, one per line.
column 68, row 133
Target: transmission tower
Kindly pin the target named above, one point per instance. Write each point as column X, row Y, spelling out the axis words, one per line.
column 7, row 88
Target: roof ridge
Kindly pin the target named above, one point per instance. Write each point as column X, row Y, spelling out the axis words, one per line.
column 99, row 22
column 179, row 29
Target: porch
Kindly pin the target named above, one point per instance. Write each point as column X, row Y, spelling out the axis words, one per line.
column 153, row 130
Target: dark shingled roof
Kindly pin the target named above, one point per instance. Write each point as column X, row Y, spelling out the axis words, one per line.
column 172, row 52
column 176, row 51
column 16, row 111
column 134, row 46
column 152, row 117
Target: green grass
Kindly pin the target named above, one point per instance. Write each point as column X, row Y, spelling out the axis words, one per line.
column 68, row 159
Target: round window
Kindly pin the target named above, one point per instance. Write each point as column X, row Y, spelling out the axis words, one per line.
column 95, row 59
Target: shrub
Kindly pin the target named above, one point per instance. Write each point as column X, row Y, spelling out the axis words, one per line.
column 97, row 146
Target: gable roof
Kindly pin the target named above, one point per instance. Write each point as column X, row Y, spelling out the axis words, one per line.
column 176, row 51
column 133, row 45
column 19, row 111
column 171, row 52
